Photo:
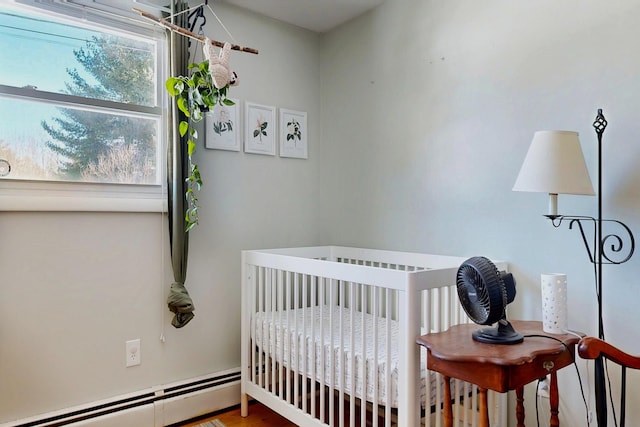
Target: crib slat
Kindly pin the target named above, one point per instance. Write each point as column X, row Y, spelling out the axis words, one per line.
column 262, row 326
column 456, row 397
column 387, row 373
column 289, row 346
column 425, row 311
column 363, row 362
column 254, row 303
column 272, row 299
column 375, row 318
column 320, row 303
column 296, row 309
column 474, row 405
column 342, row 361
column 437, row 310
column 313, row 355
column 305, row 328
column 332, row 358
column 446, row 309
column 280, row 338
column 352, row 376
column 465, row 403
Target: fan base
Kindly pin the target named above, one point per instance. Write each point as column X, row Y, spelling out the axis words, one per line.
column 499, row 335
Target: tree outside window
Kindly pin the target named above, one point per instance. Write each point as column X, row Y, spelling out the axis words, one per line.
column 85, row 110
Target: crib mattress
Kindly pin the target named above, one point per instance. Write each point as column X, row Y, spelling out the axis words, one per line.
column 340, row 352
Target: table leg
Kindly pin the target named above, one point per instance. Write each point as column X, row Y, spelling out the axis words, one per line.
column 554, row 400
column 520, row 406
column 447, row 412
column 483, row 408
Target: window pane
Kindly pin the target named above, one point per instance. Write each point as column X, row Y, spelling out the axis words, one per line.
column 54, row 56
column 46, row 135
column 47, row 142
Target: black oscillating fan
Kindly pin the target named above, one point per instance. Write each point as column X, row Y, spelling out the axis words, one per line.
column 484, row 293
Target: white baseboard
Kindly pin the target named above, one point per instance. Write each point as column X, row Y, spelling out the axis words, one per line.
column 157, row 407
column 198, row 403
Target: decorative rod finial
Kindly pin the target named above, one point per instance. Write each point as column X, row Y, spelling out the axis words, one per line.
column 600, row 123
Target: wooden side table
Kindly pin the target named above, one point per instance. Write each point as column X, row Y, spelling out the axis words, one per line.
column 501, row 368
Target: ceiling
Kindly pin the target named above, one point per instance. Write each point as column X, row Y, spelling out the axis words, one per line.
column 315, row 15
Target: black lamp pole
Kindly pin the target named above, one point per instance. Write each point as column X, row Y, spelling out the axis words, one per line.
column 600, row 124
column 599, row 256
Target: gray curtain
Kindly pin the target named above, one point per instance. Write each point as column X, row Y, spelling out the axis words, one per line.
column 179, row 301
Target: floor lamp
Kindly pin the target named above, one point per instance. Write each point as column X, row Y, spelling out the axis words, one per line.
column 555, row 165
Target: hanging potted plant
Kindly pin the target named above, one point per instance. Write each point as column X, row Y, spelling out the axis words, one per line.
column 206, row 86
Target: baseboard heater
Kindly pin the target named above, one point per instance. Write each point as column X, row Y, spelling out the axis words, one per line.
column 164, row 405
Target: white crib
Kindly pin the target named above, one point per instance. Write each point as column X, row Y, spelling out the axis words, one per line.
column 329, row 337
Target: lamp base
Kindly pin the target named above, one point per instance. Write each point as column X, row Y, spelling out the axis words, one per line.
column 502, row 334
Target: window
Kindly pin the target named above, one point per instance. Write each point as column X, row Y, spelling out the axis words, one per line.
column 80, row 106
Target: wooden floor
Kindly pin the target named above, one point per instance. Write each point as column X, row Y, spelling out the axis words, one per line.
column 259, row 416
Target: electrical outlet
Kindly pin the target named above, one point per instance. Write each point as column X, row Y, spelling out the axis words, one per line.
column 133, row 352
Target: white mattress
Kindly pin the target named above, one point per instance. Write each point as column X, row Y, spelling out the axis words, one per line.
column 281, row 327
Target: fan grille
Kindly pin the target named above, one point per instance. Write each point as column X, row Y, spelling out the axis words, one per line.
column 481, row 291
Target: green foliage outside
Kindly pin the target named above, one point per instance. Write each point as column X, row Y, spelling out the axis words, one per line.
column 111, row 148
column 107, row 147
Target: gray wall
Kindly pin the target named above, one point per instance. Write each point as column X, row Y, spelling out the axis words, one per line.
column 75, row 286
column 428, row 110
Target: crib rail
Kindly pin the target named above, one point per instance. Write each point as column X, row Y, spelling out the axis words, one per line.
column 328, row 336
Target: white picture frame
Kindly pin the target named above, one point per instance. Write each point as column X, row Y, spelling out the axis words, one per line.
column 223, row 127
column 293, row 134
column 260, row 129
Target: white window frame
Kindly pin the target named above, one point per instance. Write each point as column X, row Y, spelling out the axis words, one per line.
column 26, row 195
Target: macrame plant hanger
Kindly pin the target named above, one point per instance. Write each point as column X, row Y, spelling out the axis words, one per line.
column 179, row 301
column 194, row 16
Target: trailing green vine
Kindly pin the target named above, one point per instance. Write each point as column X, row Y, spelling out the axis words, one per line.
column 194, row 95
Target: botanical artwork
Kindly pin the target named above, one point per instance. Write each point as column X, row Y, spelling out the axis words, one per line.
column 223, row 127
column 293, row 130
column 293, row 134
column 260, row 129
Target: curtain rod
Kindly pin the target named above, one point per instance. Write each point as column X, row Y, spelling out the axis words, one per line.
column 189, row 34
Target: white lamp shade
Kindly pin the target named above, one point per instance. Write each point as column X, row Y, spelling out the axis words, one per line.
column 555, row 164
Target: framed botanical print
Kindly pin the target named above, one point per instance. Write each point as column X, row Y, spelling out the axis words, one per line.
column 223, row 127
column 260, row 129
column 293, row 134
